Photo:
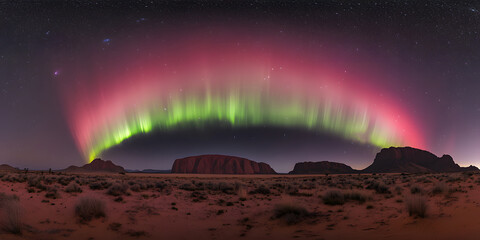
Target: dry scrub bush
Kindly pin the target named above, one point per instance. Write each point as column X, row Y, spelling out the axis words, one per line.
column 73, row 187
column 118, row 189
column 416, row 206
column 292, row 214
column 260, row 190
column 52, row 193
column 355, row 196
column 439, row 188
column 88, row 208
column 10, row 219
column 333, row 197
column 414, row 189
column 379, row 187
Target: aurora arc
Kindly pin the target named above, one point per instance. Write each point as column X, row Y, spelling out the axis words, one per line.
column 204, row 83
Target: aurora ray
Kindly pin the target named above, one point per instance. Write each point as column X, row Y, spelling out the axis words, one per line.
column 195, row 83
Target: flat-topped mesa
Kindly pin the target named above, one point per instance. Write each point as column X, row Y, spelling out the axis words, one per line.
column 220, row 164
column 97, row 165
column 412, row 160
column 323, row 167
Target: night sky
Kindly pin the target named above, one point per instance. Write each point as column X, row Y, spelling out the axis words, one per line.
column 147, row 82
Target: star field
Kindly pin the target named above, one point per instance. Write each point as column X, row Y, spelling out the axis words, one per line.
column 422, row 56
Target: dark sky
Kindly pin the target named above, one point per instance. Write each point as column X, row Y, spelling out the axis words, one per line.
column 66, row 70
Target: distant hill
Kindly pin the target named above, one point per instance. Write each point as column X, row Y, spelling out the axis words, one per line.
column 8, row 168
column 220, row 164
column 97, row 165
column 148, row 171
column 389, row 160
column 323, row 167
column 412, row 160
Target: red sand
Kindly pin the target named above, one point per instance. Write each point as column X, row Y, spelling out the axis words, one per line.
column 452, row 216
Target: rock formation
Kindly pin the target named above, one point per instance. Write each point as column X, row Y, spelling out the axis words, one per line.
column 8, row 168
column 220, row 164
column 322, row 168
column 97, row 165
column 412, row 160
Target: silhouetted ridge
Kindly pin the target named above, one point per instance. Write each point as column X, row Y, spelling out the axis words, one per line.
column 97, row 165
column 412, row 160
column 8, row 168
column 323, row 167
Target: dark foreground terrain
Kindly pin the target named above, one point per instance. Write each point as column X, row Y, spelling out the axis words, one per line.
column 38, row 205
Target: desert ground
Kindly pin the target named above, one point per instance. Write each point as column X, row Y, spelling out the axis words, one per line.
column 39, row 205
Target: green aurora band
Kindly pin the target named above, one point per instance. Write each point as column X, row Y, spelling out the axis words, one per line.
column 242, row 109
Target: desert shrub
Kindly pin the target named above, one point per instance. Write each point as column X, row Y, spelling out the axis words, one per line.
column 415, row 189
column 355, row 196
column 52, row 193
column 88, row 208
column 117, row 189
column 187, row 187
column 13, row 178
column 292, row 214
column 291, row 189
column 307, row 185
column 36, row 182
column 95, row 186
column 73, row 187
column 106, row 184
column 226, row 188
column 439, row 188
column 64, row 180
column 160, row 185
column 10, row 219
column 49, row 180
column 333, row 197
column 261, row 190
column 379, row 187
column 198, row 196
column 135, row 188
column 454, row 179
column 416, row 205
column 142, row 186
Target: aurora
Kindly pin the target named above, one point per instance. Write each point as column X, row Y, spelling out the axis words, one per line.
column 229, row 83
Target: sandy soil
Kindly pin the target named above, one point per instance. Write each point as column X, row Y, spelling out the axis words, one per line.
column 168, row 206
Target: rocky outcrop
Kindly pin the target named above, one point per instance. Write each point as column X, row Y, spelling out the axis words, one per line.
column 412, row 160
column 7, row 168
column 220, row 164
column 323, row 167
column 97, row 165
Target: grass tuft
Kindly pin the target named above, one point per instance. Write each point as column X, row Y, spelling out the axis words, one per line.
column 10, row 219
column 417, row 206
column 88, row 208
column 292, row 214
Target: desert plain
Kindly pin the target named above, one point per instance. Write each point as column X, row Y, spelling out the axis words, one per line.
column 42, row 205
